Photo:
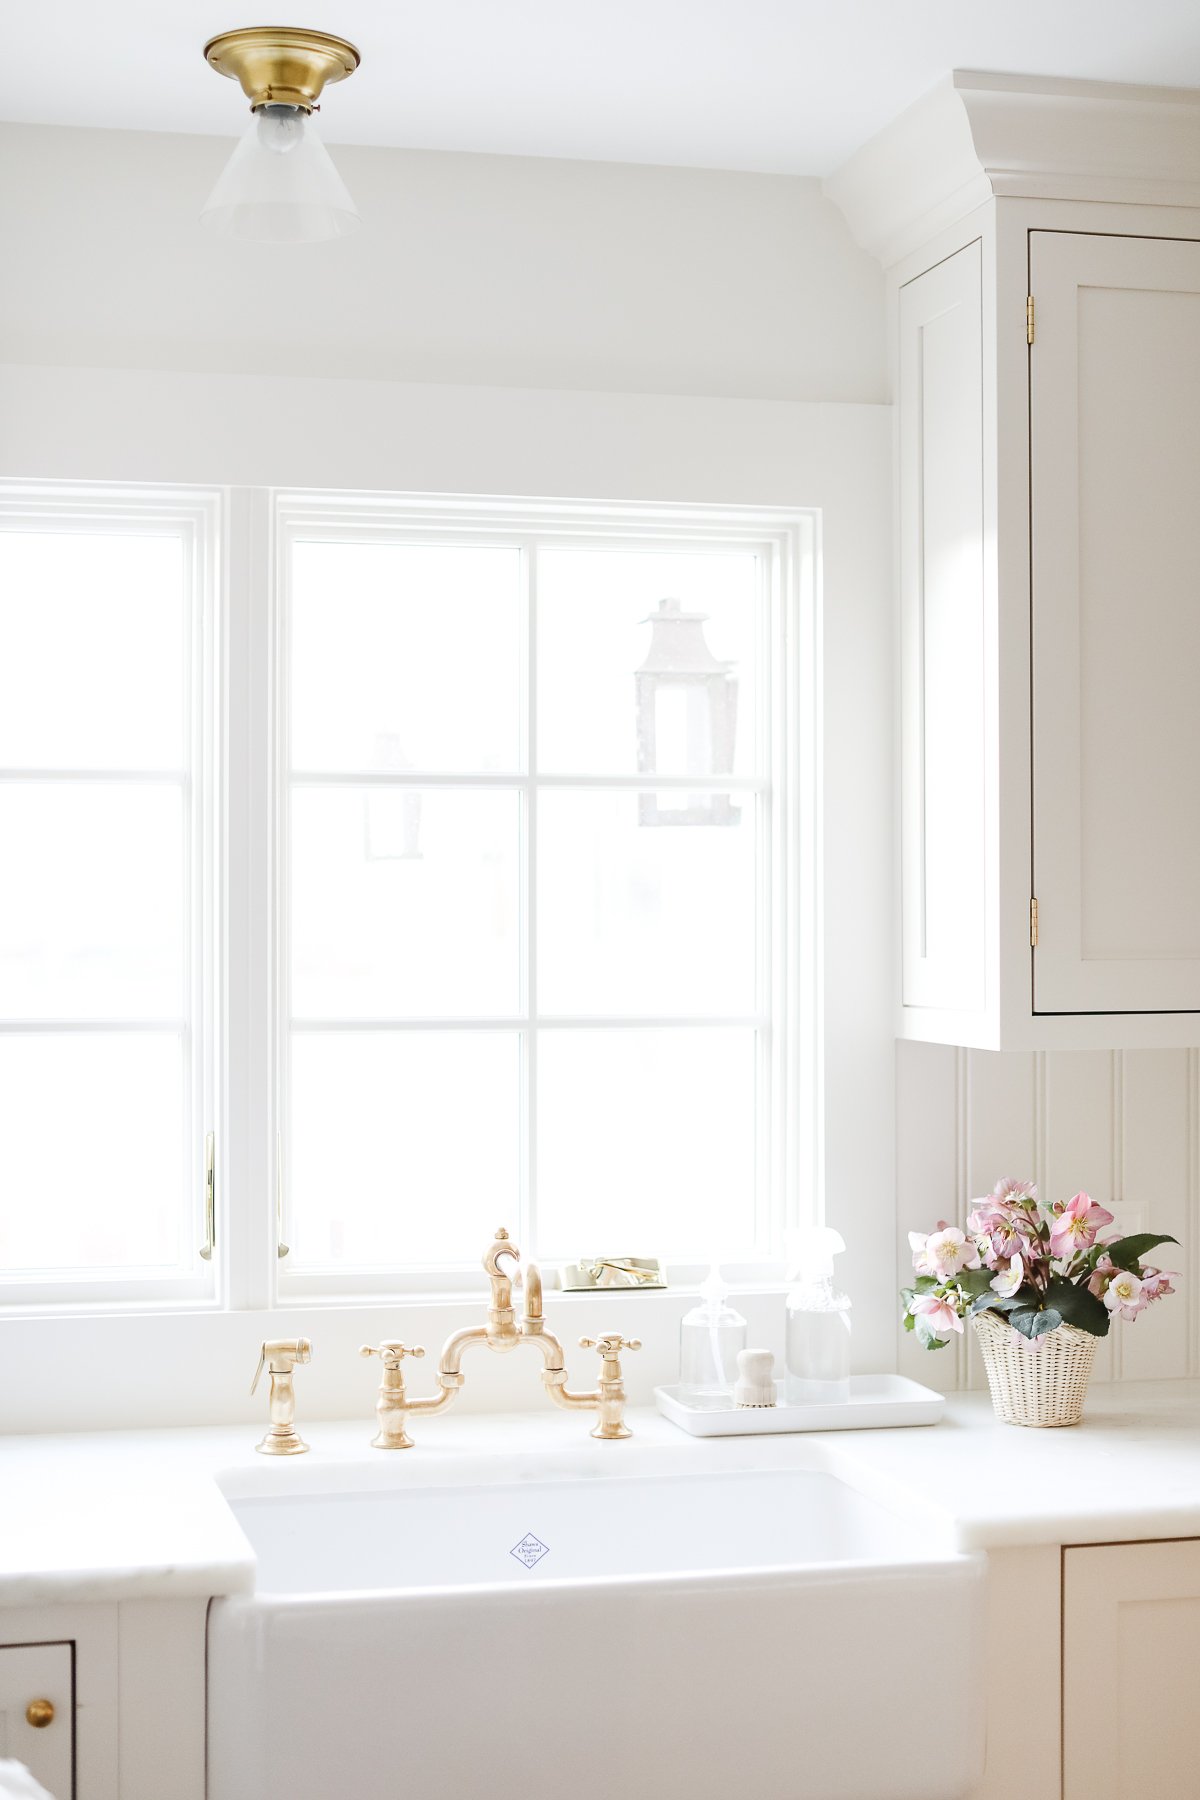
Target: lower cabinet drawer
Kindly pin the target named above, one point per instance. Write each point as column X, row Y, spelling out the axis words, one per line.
column 37, row 1722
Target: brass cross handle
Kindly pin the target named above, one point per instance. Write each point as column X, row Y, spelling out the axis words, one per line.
column 391, row 1353
column 611, row 1345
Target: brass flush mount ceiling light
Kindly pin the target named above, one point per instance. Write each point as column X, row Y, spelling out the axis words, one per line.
column 280, row 185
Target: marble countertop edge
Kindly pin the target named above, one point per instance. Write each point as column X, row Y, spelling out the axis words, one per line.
column 136, row 1515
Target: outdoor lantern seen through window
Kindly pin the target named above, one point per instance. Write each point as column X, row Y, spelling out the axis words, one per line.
column 686, row 719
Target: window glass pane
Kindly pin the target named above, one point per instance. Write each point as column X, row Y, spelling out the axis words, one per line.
column 593, row 639
column 652, row 1132
column 91, row 1163
column 91, row 651
column 91, row 904
column 405, row 903
column 640, row 915
column 405, row 657
column 404, row 1146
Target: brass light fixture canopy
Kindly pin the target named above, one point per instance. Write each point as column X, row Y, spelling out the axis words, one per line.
column 279, row 65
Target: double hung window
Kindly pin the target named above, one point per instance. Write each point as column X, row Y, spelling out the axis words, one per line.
column 538, row 898
column 526, row 873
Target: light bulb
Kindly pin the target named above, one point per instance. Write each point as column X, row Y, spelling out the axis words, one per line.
column 280, row 128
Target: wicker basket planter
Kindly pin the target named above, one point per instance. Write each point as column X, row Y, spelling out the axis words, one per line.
column 1044, row 1386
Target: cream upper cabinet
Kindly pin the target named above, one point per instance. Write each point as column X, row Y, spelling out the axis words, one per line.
column 1042, row 246
column 1048, row 495
column 1114, row 382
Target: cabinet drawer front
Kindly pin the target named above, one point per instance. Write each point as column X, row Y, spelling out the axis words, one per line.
column 1115, row 475
column 942, row 636
column 30, row 1672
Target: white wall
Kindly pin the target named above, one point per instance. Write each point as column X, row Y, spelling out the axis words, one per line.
column 503, row 271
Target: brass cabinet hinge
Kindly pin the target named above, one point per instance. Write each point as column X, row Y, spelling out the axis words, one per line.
column 1029, row 325
column 1033, row 924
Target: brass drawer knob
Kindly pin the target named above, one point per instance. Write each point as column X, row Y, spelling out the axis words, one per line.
column 40, row 1713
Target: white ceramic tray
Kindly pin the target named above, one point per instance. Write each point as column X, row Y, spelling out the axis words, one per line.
column 875, row 1401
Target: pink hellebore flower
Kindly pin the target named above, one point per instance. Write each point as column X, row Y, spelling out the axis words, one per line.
column 1076, row 1224
column 938, row 1311
column 1156, row 1283
column 982, row 1219
column 1124, row 1296
column 1009, row 1239
column 1101, row 1275
column 1010, row 1192
column 1009, row 1277
column 950, row 1250
column 917, row 1243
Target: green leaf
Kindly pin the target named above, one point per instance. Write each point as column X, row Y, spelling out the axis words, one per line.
column 1127, row 1252
column 925, row 1283
column 910, row 1323
column 975, row 1281
column 927, row 1337
column 1034, row 1322
column 1001, row 1303
column 1079, row 1306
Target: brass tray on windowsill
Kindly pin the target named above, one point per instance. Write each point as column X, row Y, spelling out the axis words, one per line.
column 614, row 1274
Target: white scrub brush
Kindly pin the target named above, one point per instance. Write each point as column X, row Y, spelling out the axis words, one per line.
column 755, row 1384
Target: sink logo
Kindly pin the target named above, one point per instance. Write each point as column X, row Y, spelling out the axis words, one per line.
column 530, row 1550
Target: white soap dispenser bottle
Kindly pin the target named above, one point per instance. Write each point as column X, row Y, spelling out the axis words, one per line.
column 818, row 1322
column 710, row 1338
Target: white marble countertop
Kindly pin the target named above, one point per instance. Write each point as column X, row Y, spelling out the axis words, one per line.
column 125, row 1515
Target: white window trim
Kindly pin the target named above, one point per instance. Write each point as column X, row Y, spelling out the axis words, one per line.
column 790, row 1149
column 194, row 515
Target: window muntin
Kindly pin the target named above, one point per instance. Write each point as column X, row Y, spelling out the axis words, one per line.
column 591, row 1016
column 106, row 990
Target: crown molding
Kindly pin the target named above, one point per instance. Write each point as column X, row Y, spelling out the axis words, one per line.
column 976, row 136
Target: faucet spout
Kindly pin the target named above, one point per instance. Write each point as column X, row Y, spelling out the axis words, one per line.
column 533, row 1324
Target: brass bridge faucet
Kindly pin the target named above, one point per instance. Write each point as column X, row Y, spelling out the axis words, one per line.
column 502, row 1332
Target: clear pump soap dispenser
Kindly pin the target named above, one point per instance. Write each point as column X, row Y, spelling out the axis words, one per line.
column 818, row 1322
column 710, row 1338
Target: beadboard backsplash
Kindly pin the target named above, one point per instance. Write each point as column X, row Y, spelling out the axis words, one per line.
column 1123, row 1124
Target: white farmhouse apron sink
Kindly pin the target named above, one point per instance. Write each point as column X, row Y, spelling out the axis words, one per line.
column 766, row 1632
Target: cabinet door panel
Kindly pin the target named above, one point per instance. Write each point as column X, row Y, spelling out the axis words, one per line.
column 1115, row 445
column 39, row 1672
column 1131, row 1670
column 942, row 594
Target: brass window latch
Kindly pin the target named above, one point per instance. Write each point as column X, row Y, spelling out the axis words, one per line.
column 210, row 1197
column 281, row 1249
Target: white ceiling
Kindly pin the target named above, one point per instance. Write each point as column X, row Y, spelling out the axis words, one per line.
column 786, row 85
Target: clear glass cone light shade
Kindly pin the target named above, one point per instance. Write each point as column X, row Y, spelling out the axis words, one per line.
column 280, row 185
